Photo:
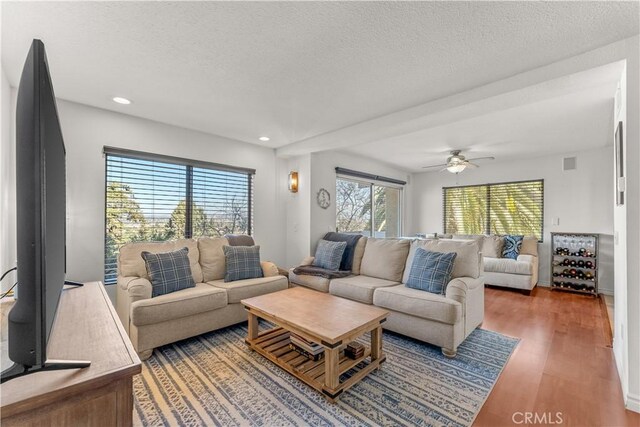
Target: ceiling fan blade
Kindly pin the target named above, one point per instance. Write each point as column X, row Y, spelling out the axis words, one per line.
column 483, row 158
column 471, row 165
column 434, row 166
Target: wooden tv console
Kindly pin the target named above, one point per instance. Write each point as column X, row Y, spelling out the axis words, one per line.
column 86, row 328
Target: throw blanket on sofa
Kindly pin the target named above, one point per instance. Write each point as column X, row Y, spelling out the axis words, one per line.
column 352, row 240
column 311, row 270
column 239, row 240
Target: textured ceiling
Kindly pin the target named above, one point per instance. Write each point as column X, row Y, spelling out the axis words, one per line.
column 295, row 70
column 572, row 113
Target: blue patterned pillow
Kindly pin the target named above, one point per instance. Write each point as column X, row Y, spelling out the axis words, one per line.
column 168, row 271
column 242, row 262
column 329, row 254
column 512, row 246
column 431, row 271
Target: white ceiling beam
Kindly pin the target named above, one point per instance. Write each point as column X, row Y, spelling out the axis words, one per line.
column 557, row 79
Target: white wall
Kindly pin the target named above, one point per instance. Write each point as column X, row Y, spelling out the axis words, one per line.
column 7, row 183
column 308, row 222
column 580, row 198
column 631, row 225
column 86, row 130
column 298, row 229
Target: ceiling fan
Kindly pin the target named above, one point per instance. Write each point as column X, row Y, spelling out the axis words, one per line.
column 456, row 163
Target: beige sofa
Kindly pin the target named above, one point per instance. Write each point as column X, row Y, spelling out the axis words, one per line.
column 211, row 304
column 380, row 271
column 520, row 273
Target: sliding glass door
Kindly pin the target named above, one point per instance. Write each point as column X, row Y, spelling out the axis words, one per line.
column 368, row 208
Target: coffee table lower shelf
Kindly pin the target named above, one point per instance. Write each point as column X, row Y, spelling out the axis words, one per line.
column 274, row 345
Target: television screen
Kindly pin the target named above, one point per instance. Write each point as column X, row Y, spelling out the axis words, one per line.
column 41, row 212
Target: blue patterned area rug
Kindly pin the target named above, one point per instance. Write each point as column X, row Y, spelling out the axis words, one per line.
column 214, row 379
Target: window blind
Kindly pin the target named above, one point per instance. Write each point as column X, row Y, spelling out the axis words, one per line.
column 157, row 198
column 501, row 208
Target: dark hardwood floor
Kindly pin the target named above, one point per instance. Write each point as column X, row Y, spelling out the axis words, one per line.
column 564, row 363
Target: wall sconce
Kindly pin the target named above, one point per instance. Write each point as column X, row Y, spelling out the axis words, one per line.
column 293, row 181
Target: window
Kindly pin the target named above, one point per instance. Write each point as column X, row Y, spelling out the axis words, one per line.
column 155, row 198
column 355, row 197
column 505, row 208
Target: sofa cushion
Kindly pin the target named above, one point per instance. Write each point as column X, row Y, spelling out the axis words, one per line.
column 317, row 283
column 492, row 246
column 358, row 288
column 507, row 265
column 183, row 303
column 468, row 262
column 477, row 237
column 212, row 257
column 358, row 253
column 418, row 303
column 512, row 245
column 529, row 246
column 242, row 262
column 130, row 262
column 431, row 271
column 329, row 254
column 168, row 271
column 385, row 258
column 241, row 289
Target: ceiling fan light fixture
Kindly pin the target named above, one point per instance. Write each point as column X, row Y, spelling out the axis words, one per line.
column 456, row 168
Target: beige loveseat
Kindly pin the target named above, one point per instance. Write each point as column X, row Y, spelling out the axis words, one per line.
column 520, row 273
column 380, row 271
column 211, row 304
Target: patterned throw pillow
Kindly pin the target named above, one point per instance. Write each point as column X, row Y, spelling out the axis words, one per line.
column 329, row 254
column 431, row 271
column 242, row 262
column 512, row 246
column 168, row 271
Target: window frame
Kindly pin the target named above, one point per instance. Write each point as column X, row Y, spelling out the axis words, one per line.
column 374, row 183
column 189, row 165
column 487, row 225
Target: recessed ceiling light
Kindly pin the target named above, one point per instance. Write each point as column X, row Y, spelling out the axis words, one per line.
column 121, row 100
column 264, row 138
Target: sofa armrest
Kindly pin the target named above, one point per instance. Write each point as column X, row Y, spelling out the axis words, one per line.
column 129, row 290
column 269, row 269
column 307, row 261
column 531, row 259
column 457, row 290
column 469, row 292
column 136, row 287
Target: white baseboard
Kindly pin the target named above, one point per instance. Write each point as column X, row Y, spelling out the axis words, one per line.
column 633, row 402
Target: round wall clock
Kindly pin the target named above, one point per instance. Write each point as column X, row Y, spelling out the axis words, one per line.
column 323, row 198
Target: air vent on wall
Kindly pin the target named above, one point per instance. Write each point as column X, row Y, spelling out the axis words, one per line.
column 569, row 163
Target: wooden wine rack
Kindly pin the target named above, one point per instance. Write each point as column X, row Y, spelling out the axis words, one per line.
column 573, row 282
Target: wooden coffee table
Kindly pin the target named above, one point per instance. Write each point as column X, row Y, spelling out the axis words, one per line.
column 328, row 320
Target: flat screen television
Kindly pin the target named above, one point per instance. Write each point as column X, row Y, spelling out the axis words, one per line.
column 41, row 220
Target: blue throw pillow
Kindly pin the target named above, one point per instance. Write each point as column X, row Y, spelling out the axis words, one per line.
column 431, row 271
column 512, row 246
column 329, row 254
column 242, row 262
column 168, row 271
